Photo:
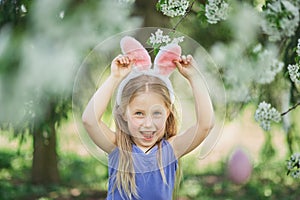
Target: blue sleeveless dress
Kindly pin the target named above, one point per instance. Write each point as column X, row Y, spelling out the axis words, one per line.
column 149, row 182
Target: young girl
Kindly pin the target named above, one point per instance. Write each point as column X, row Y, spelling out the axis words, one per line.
column 144, row 149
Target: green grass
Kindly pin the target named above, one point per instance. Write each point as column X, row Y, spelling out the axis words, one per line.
column 268, row 181
column 81, row 177
column 86, row 178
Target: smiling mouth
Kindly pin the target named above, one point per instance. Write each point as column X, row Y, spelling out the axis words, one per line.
column 148, row 135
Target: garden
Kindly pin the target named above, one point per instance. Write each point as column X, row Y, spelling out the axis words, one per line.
column 54, row 55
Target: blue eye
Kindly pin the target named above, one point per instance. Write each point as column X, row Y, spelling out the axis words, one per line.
column 157, row 113
column 139, row 114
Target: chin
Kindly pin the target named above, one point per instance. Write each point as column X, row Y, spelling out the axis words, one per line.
column 147, row 141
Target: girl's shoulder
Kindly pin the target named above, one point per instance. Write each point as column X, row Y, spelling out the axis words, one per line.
column 165, row 143
column 165, row 149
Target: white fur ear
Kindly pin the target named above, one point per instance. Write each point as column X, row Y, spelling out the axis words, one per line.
column 164, row 61
column 135, row 50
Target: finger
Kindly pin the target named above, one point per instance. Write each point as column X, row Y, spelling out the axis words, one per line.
column 123, row 60
column 127, row 60
column 119, row 59
column 184, row 60
column 177, row 62
column 131, row 61
column 189, row 58
column 178, row 65
column 183, row 57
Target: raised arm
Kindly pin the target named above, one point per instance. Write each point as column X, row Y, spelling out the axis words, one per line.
column 102, row 135
column 193, row 136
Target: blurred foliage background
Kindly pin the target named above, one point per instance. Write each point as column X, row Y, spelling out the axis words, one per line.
column 42, row 46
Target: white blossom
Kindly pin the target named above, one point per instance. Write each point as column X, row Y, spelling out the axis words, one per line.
column 216, row 10
column 281, row 19
column 295, row 157
column 265, row 114
column 270, row 72
column 62, row 14
column 23, row 8
column 268, row 64
column 289, row 165
column 232, row 63
column 165, row 39
column 257, row 49
column 159, row 39
column 296, row 3
column 173, row 8
column 293, row 165
column 296, row 174
column 260, row 65
column 177, row 40
column 29, row 109
column 294, row 72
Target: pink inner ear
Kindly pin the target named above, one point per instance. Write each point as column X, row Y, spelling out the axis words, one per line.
column 135, row 50
column 164, row 61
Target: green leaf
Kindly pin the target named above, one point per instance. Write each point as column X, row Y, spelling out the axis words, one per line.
column 158, row 7
column 148, row 42
column 156, row 50
column 157, row 46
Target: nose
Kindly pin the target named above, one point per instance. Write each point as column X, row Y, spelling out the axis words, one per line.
column 148, row 122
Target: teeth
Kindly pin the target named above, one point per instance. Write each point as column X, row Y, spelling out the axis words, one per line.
column 147, row 134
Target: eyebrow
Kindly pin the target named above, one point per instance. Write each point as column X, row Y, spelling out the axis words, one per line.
column 136, row 110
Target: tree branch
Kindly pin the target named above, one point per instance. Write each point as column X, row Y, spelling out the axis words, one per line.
column 184, row 16
column 290, row 109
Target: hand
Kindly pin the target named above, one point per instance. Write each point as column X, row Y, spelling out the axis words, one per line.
column 121, row 66
column 187, row 66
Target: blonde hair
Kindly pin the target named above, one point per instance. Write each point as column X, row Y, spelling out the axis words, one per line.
column 125, row 175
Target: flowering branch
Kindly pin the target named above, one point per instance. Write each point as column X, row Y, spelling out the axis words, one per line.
column 184, row 16
column 265, row 113
column 290, row 109
column 293, row 165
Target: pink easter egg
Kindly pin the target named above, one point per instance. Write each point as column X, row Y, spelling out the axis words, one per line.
column 239, row 167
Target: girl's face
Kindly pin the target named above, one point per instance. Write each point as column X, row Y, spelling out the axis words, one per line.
column 146, row 116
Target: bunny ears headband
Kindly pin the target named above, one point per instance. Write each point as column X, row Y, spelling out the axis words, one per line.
column 163, row 63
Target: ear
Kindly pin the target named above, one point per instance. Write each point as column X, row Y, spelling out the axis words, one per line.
column 135, row 50
column 163, row 63
column 124, row 116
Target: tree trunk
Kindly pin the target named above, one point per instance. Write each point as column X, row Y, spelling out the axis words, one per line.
column 152, row 18
column 44, row 164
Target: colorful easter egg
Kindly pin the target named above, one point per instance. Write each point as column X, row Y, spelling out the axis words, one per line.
column 239, row 167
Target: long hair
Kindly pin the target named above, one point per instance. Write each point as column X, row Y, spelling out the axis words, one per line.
column 125, row 176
